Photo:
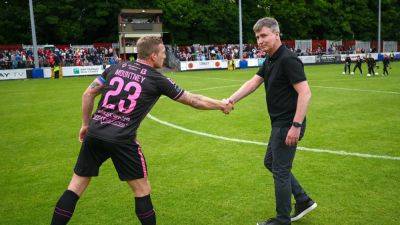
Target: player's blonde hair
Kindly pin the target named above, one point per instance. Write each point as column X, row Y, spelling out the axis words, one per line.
column 148, row 45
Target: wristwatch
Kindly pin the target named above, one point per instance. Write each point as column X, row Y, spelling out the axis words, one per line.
column 297, row 124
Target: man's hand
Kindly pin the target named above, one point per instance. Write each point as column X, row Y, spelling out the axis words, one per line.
column 228, row 106
column 83, row 132
column 293, row 136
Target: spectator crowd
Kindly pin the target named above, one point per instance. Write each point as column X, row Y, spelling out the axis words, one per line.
column 73, row 56
column 49, row 57
column 198, row 52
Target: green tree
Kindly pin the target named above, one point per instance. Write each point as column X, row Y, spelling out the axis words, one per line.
column 198, row 21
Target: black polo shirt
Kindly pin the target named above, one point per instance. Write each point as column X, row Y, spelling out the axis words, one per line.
column 280, row 72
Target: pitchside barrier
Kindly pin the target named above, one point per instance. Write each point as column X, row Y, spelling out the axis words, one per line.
column 314, row 59
column 47, row 72
column 75, row 71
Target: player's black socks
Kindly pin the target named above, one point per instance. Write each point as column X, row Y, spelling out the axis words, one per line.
column 145, row 211
column 64, row 208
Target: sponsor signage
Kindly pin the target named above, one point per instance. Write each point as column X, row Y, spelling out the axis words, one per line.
column 328, row 59
column 354, row 56
column 201, row 65
column 308, row 59
column 364, row 55
column 217, row 64
column 13, row 74
column 82, row 70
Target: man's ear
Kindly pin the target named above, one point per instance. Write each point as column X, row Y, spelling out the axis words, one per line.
column 153, row 57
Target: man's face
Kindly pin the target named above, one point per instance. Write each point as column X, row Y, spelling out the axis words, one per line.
column 159, row 57
column 266, row 39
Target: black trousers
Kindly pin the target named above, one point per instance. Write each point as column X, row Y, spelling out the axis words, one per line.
column 357, row 66
column 371, row 70
column 347, row 68
column 385, row 71
column 278, row 160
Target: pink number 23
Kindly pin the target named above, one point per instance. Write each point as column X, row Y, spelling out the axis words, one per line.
column 132, row 97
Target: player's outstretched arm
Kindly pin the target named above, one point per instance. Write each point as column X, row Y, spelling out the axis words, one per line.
column 247, row 88
column 87, row 105
column 203, row 102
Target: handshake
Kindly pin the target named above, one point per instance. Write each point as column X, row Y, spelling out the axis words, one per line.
column 227, row 105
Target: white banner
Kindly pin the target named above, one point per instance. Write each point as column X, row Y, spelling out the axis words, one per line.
column 331, row 44
column 366, row 45
column 201, row 65
column 303, row 45
column 46, row 72
column 223, row 64
column 390, row 46
column 13, row 74
column 251, row 62
column 362, row 56
column 82, row 70
column 308, row 59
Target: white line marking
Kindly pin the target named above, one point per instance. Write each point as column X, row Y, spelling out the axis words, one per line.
column 354, row 89
column 316, row 86
column 340, row 152
column 265, row 144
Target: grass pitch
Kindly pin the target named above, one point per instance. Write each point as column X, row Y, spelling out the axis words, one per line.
column 202, row 180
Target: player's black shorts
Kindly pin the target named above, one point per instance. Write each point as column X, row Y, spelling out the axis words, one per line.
column 128, row 159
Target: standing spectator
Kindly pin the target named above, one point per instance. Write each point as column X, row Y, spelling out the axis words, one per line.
column 14, row 62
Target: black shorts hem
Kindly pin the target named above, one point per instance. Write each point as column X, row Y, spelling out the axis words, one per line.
column 83, row 174
column 131, row 178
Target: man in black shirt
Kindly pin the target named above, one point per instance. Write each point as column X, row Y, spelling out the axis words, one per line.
column 129, row 91
column 347, row 64
column 386, row 63
column 358, row 65
column 287, row 97
column 371, row 64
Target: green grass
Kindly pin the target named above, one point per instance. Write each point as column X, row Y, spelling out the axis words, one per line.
column 199, row 180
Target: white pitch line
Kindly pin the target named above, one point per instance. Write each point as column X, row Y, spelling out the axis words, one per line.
column 265, row 144
column 316, row 86
column 354, row 89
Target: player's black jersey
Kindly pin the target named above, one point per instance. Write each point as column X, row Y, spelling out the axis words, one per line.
column 386, row 61
column 371, row 62
column 359, row 61
column 348, row 60
column 130, row 91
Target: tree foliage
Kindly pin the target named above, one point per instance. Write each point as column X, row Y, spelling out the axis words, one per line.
column 199, row 21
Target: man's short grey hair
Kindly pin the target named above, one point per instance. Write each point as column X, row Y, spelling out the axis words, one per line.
column 268, row 22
